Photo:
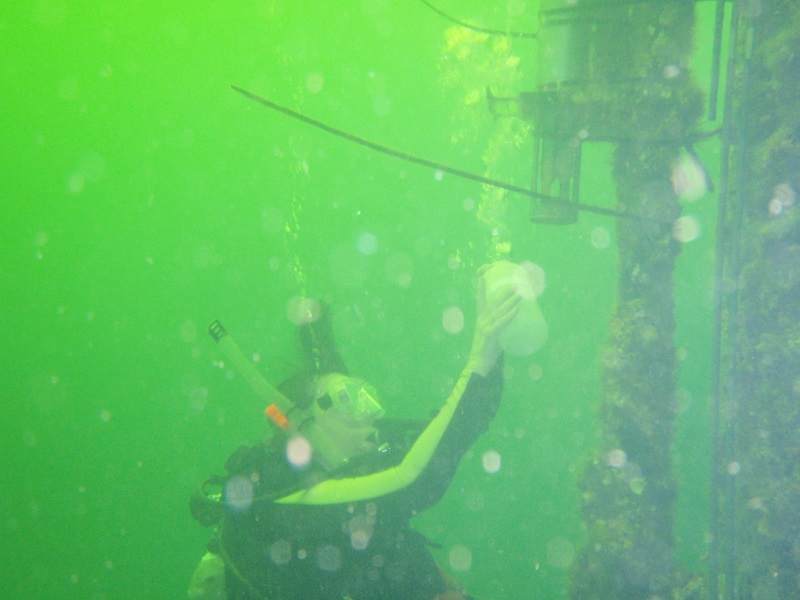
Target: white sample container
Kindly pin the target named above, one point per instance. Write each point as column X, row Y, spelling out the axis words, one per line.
column 527, row 333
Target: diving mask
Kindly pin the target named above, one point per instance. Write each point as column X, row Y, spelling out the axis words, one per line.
column 350, row 397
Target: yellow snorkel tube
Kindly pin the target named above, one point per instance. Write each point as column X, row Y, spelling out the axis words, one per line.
column 285, row 414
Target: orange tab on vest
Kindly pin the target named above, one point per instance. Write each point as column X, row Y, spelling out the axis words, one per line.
column 277, row 417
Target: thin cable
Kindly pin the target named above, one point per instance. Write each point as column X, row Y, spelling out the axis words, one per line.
column 737, row 225
column 719, row 450
column 444, row 168
column 513, row 34
column 716, row 56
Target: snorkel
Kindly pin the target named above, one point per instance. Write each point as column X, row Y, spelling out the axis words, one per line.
column 293, row 421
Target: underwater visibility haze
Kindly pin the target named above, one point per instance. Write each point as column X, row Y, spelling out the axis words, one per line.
column 647, row 449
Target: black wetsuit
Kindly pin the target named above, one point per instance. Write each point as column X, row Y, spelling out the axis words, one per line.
column 361, row 550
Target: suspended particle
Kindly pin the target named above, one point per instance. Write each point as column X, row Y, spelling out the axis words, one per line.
column 453, row 320
column 239, row 493
column 491, row 461
column 688, row 177
column 535, row 372
column 367, row 243
column 399, row 269
column 601, row 238
column 329, row 558
column 314, row 83
column 382, row 105
column 616, row 458
column 460, row 558
column 280, row 552
column 298, row 451
column 783, row 196
column 560, row 552
column 301, row 310
column 532, row 284
column 686, row 229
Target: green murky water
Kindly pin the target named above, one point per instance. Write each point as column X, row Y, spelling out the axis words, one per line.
column 143, row 198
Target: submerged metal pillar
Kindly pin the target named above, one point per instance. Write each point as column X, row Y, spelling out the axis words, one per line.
column 760, row 391
column 650, row 107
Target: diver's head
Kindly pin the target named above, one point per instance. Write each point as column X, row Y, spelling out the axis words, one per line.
column 345, row 408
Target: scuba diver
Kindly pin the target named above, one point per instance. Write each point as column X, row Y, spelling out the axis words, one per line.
column 323, row 512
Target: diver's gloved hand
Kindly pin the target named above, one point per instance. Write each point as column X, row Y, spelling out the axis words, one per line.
column 208, row 580
column 494, row 315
